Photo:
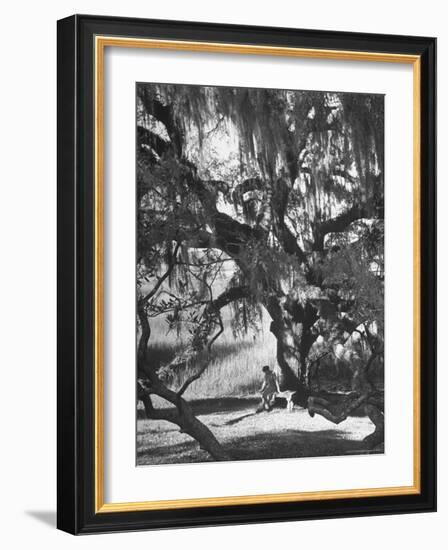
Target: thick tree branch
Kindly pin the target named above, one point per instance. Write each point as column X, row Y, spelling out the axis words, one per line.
column 229, row 295
column 290, row 244
column 181, row 414
column 323, row 407
column 340, row 223
column 231, row 236
column 192, row 379
column 144, row 336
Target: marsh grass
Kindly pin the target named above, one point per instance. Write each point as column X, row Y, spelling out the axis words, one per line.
column 234, row 368
column 235, row 364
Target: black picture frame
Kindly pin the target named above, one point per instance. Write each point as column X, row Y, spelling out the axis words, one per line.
column 76, row 256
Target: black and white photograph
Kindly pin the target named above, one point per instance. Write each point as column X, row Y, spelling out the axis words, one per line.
column 259, row 273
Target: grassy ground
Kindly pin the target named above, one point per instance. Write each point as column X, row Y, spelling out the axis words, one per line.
column 225, row 398
column 249, row 436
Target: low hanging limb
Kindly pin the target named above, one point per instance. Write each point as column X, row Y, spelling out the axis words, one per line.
column 370, row 399
column 181, row 415
column 338, row 414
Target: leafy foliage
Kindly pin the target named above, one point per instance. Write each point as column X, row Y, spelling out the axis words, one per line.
column 275, row 192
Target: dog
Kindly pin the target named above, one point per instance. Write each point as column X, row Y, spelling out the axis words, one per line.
column 288, row 395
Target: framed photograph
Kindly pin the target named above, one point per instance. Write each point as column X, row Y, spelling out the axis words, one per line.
column 246, row 274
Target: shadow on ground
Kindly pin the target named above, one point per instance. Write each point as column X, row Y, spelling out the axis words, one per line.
column 250, row 436
column 284, row 444
column 212, row 405
column 296, row 444
column 48, row 517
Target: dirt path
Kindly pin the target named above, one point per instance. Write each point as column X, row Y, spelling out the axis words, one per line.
column 248, row 436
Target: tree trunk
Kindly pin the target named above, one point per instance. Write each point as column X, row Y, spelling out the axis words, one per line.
column 291, row 325
column 377, row 417
column 181, row 415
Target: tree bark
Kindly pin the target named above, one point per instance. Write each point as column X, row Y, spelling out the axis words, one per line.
column 181, row 415
column 366, row 396
column 291, row 323
column 377, row 417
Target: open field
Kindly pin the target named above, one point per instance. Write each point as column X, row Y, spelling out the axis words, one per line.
column 248, row 436
column 235, row 369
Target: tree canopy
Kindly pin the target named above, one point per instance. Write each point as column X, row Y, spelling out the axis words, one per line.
column 260, row 199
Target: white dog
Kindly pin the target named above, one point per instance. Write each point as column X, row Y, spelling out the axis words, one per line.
column 287, row 394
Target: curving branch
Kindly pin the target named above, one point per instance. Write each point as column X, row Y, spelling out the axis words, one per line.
column 334, row 414
column 340, row 223
column 181, row 415
column 229, row 295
